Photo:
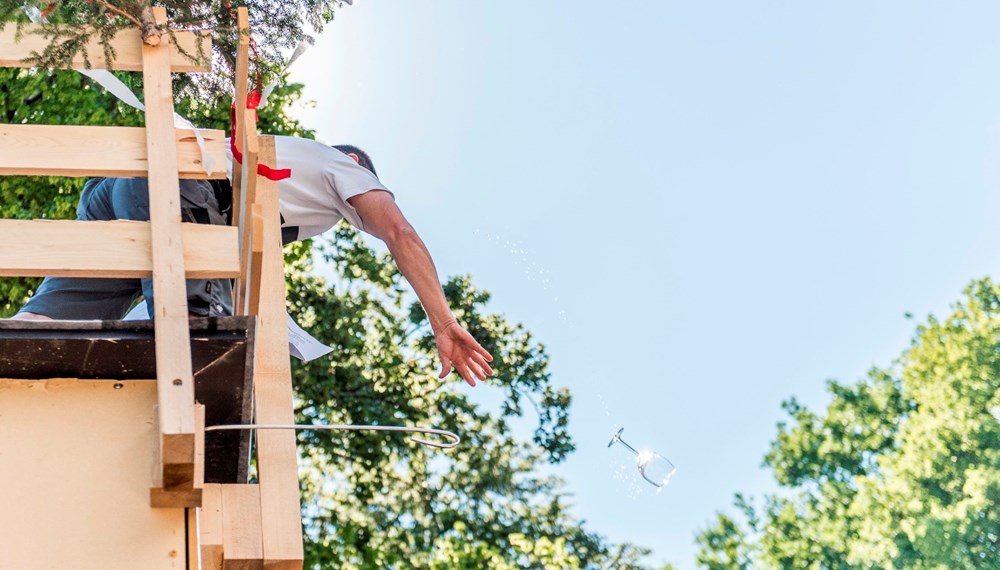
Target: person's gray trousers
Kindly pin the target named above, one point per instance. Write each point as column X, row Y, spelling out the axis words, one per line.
column 71, row 298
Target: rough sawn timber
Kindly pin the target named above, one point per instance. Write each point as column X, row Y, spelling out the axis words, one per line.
column 119, row 248
column 127, row 46
column 62, row 150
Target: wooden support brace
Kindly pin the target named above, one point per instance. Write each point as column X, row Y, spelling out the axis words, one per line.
column 242, row 548
column 178, row 481
column 210, row 527
column 256, row 257
column 175, row 381
column 276, row 451
column 59, row 150
column 239, row 103
column 248, row 195
column 120, row 248
column 127, row 46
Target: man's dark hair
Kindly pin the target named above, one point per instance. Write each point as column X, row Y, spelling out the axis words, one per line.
column 363, row 158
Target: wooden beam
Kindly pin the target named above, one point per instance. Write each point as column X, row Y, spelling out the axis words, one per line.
column 248, row 197
column 59, row 150
column 256, row 257
column 276, row 452
column 239, row 103
column 127, row 47
column 242, row 548
column 120, row 248
column 180, row 481
column 174, row 378
column 210, row 527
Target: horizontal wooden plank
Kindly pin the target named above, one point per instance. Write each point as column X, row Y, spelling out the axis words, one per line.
column 58, row 150
column 120, row 248
column 127, row 46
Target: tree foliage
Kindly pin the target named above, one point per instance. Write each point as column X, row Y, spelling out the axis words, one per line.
column 276, row 26
column 375, row 500
column 32, row 96
column 902, row 469
column 378, row 501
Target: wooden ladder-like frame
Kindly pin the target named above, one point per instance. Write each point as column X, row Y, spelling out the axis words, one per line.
column 243, row 526
column 244, row 523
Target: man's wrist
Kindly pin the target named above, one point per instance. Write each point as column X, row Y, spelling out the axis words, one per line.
column 438, row 325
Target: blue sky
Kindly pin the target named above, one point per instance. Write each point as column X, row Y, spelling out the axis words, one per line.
column 700, row 208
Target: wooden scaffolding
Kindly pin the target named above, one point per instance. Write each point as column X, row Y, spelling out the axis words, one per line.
column 89, row 409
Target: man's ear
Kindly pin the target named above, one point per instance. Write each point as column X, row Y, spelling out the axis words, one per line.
column 355, row 157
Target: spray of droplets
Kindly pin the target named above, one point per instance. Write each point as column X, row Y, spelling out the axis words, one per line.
column 533, row 273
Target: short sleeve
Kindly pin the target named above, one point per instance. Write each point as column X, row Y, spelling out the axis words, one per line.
column 345, row 179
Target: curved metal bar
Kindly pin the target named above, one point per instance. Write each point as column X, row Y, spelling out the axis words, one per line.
column 454, row 439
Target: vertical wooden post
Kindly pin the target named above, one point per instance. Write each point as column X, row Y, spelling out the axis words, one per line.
column 175, row 381
column 248, row 196
column 276, row 452
column 238, row 137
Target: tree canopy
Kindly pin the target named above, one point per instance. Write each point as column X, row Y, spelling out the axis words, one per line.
column 374, row 500
column 901, row 470
column 276, row 26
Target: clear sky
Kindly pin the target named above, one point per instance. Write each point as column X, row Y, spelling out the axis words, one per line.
column 701, row 208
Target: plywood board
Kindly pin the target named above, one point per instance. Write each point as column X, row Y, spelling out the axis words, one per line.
column 221, row 357
column 120, row 248
column 66, row 150
column 75, row 459
column 127, row 46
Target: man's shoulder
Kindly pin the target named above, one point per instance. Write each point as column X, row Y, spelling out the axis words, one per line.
column 286, row 140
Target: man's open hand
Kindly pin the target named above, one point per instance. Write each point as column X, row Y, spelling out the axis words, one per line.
column 457, row 348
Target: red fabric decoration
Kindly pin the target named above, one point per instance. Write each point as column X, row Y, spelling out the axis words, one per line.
column 275, row 174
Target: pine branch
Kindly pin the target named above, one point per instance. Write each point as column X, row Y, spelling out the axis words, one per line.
column 147, row 25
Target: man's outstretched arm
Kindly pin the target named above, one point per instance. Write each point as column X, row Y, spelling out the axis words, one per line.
column 456, row 347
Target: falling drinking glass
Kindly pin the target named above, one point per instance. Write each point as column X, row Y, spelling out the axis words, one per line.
column 653, row 467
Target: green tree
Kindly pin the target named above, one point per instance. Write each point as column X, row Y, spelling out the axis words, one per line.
column 902, row 470
column 371, row 500
column 70, row 24
column 32, row 96
column 377, row 501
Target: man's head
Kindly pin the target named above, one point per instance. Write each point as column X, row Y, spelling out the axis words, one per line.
column 358, row 155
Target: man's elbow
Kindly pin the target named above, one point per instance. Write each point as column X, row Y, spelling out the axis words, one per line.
column 400, row 234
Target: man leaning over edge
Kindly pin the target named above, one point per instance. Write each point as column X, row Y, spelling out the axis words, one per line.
column 327, row 184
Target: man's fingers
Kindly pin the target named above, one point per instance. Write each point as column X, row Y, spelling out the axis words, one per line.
column 477, row 370
column 445, row 366
column 481, row 362
column 467, row 375
column 485, row 354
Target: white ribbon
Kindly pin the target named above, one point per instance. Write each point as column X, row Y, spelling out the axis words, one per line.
column 304, row 44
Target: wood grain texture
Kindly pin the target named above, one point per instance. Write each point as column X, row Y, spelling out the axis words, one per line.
column 276, row 450
column 120, row 248
column 239, row 103
column 242, row 547
column 210, row 527
column 75, row 489
column 248, row 197
column 256, row 256
column 175, row 381
column 127, row 46
column 60, row 150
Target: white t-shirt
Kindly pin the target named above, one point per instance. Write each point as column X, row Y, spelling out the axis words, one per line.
column 315, row 197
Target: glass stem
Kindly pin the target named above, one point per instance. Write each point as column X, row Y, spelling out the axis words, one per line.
column 627, row 446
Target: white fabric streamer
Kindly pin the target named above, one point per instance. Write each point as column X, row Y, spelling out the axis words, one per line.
column 113, row 85
column 304, row 44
